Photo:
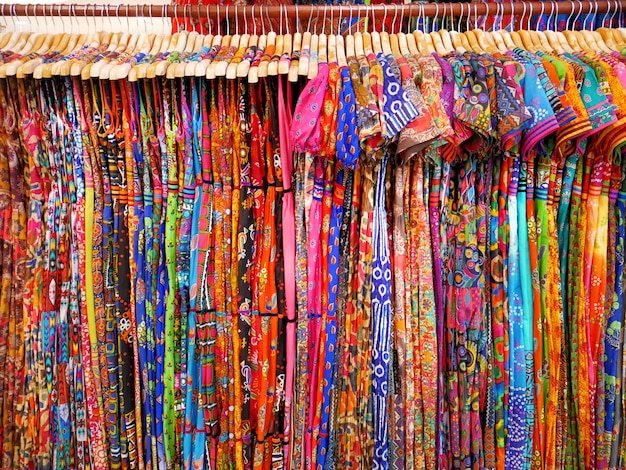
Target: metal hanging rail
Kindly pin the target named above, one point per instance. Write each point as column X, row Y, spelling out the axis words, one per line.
column 304, row 12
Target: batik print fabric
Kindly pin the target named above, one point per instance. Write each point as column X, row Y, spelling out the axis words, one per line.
column 405, row 262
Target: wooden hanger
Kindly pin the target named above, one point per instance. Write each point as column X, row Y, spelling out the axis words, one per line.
column 394, row 42
column 212, row 68
column 233, row 67
column 284, row 62
column 295, row 57
column 412, row 44
column 455, row 37
column 376, row 39
column 367, row 43
column 34, row 44
column 350, row 51
column 486, row 41
column 333, row 42
column 418, row 39
column 323, row 49
column 342, row 61
column 100, row 43
column 540, row 41
column 244, row 66
column 607, row 36
column 27, row 44
column 270, row 50
column 385, row 42
column 144, row 44
column 446, row 40
column 202, row 48
column 170, row 43
column 5, row 38
column 305, row 54
column 402, row 43
column 272, row 67
column 63, row 66
column 359, row 46
column 437, row 41
column 332, row 49
column 554, row 42
column 220, row 64
column 201, row 68
column 253, row 72
column 18, row 40
column 105, row 68
column 75, row 41
column 619, row 37
column 314, row 58
column 427, row 45
column 112, row 40
column 571, row 39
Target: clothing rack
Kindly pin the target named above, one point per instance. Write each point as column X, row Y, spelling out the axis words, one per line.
column 304, row 12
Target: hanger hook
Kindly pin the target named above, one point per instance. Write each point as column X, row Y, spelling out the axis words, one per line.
column 581, row 10
column 395, row 18
column 92, row 15
column 451, row 15
column 550, row 16
column 252, row 18
column 308, row 27
column 39, row 29
column 436, row 14
column 577, row 15
column 332, row 19
column 317, row 19
column 227, row 20
column 475, row 16
column 568, row 21
column 236, row 17
column 340, row 20
column 245, row 20
column 28, row 19
column 408, row 19
column 613, row 15
column 324, row 20
column 36, row 18
column 298, row 22
column 458, row 25
column 384, row 18
column 76, row 18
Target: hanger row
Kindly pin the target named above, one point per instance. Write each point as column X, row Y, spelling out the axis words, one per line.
column 255, row 51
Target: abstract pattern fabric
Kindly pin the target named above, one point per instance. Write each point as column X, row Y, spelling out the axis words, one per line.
column 406, row 262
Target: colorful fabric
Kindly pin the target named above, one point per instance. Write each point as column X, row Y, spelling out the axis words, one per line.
column 406, row 262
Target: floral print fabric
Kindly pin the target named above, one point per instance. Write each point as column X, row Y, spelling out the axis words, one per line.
column 406, row 262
